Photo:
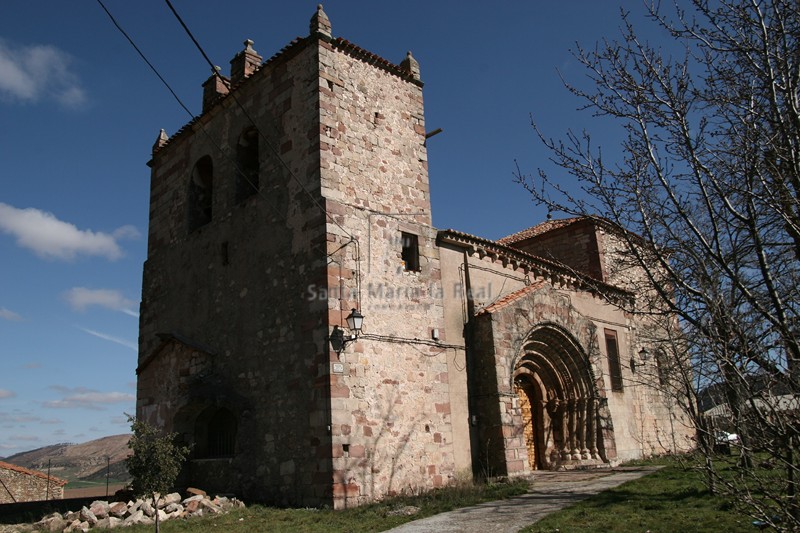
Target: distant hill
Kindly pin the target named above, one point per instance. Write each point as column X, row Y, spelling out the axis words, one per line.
column 79, row 462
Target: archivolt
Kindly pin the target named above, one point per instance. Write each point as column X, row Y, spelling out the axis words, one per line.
column 554, row 378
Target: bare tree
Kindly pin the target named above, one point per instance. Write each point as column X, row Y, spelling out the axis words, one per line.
column 708, row 175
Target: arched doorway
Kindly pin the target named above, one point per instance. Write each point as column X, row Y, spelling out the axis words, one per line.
column 558, row 401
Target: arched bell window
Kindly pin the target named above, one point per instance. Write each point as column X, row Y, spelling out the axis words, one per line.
column 247, row 165
column 201, row 193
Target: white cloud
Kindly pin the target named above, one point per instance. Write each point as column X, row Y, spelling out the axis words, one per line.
column 33, row 73
column 6, row 394
column 51, row 238
column 7, row 314
column 128, row 344
column 79, row 298
column 23, row 438
column 126, row 232
column 83, row 398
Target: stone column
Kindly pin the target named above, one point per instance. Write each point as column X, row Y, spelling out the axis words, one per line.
column 582, row 429
column 563, row 412
column 592, row 428
column 573, row 429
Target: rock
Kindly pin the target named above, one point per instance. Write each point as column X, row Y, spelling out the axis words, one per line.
column 104, row 515
column 78, row 525
column 211, row 507
column 135, row 518
column 87, row 516
column 191, row 505
column 174, row 508
column 53, row 522
column 118, row 509
column 147, row 508
column 196, row 492
column 108, row 523
column 74, row 525
column 100, row 509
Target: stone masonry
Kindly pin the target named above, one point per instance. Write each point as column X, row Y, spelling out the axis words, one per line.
column 18, row 484
column 300, row 194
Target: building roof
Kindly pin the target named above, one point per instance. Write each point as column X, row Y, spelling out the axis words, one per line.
column 36, row 473
column 556, row 272
column 539, row 229
column 510, row 298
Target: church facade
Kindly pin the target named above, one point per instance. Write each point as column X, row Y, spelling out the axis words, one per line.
column 300, row 198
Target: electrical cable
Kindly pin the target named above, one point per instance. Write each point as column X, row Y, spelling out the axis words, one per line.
column 250, row 119
column 220, row 148
column 141, row 54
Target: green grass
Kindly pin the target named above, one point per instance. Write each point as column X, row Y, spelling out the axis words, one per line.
column 670, row 500
column 82, row 484
column 673, row 499
column 368, row 518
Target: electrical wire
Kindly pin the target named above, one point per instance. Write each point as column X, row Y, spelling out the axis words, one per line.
column 141, row 54
column 252, row 121
column 220, row 148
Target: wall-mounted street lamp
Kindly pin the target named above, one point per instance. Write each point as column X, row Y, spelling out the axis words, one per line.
column 644, row 355
column 337, row 337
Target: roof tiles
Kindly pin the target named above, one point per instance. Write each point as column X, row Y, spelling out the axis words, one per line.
column 538, row 229
column 23, row 470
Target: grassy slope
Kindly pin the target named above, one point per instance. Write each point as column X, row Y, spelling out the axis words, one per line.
column 673, row 499
column 368, row 518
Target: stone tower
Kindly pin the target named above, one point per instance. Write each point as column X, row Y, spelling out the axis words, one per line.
column 299, row 194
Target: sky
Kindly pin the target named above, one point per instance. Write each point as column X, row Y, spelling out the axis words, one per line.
column 80, row 111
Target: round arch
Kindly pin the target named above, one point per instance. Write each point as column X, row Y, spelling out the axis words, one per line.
column 558, row 399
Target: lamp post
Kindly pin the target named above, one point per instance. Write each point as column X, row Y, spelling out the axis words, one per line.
column 644, row 354
column 338, row 339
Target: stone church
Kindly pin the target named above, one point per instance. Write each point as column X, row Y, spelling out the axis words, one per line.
column 317, row 341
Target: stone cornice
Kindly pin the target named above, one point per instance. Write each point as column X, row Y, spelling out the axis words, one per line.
column 558, row 275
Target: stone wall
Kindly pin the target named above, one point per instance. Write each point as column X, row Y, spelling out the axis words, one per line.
column 575, row 245
column 234, row 293
column 633, row 422
column 390, row 407
column 241, row 289
column 18, row 484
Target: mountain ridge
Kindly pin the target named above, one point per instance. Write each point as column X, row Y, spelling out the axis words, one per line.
column 87, row 461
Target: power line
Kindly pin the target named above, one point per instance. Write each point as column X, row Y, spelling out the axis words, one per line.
column 219, row 147
column 249, row 118
column 225, row 153
column 141, row 54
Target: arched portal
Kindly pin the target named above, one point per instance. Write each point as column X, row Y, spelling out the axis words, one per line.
column 558, row 401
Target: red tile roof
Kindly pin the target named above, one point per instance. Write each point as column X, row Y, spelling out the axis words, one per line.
column 510, row 298
column 23, row 470
column 538, row 229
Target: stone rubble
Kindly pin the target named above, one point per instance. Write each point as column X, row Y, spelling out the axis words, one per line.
column 109, row 515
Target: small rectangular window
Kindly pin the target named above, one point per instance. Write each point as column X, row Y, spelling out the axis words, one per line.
column 614, row 368
column 410, row 253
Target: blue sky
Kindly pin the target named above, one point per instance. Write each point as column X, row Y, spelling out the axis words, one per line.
column 80, row 111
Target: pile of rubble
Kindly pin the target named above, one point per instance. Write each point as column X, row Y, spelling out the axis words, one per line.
column 105, row 515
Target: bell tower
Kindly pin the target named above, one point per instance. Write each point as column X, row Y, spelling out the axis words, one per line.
column 299, row 194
